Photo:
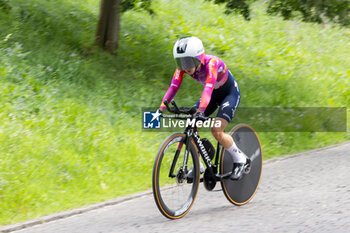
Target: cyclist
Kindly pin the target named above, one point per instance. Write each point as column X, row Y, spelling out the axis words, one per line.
column 220, row 90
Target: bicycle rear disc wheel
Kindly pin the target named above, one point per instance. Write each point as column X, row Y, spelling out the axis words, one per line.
column 242, row 191
column 174, row 195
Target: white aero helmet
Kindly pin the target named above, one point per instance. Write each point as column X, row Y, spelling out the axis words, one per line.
column 188, row 52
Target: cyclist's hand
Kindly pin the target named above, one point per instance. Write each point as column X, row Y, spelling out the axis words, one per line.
column 200, row 116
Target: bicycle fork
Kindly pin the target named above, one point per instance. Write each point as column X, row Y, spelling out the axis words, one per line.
column 176, row 156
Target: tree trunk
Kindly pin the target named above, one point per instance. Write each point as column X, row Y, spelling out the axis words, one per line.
column 108, row 27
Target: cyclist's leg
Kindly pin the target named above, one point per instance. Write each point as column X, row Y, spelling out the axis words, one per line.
column 218, row 132
column 225, row 114
column 238, row 157
column 228, row 106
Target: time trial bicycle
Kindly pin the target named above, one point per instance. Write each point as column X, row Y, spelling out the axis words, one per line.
column 175, row 190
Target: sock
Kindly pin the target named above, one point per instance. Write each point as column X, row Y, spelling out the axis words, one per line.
column 237, row 155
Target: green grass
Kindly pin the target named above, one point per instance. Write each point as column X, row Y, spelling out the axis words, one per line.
column 70, row 131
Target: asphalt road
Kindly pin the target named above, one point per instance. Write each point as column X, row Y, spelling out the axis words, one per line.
column 308, row 192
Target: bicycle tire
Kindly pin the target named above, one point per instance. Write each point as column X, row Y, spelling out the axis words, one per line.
column 159, row 192
column 242, row 191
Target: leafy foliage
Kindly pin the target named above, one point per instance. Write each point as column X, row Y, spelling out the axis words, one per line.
column 239, row 6
column 4, row 6
column 137, row 5
column 313, row 10
column 318, row 11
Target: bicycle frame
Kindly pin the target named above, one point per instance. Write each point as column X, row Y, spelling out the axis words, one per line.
column 192, row 133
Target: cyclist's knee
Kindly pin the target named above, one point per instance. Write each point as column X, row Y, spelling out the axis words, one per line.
column 217, row 133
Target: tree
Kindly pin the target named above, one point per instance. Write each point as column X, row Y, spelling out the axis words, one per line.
column 108, row 27
column 310, row 10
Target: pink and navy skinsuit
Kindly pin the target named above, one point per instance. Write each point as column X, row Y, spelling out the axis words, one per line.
column 220, row 88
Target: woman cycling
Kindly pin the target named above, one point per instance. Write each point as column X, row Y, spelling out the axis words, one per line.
column 220, row 90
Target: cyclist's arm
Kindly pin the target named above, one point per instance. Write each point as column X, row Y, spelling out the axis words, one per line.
column 174, row 87
column 209, row 84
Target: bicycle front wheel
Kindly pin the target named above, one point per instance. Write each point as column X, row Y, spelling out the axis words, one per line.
column 174, row 192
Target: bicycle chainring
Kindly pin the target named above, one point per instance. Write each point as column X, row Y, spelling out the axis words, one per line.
column 209, row 180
